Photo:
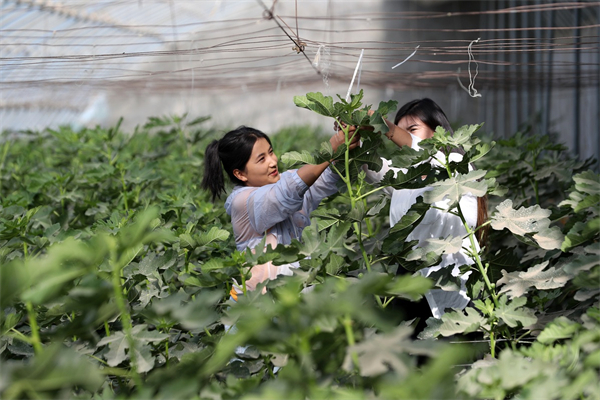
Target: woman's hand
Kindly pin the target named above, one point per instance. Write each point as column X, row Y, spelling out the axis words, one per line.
column 399, row 136
column 340, row 138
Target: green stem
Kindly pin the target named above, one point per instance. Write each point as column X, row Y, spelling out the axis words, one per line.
column 482, row 270
column 347, row 322
column 362, row 196
column 125, row 315
column 492, row 340
column 167, row 353
column 106, row 328
column 97, row 359
column 353, row 200
column 35, row 332
column 125, row 199
column 21, row 336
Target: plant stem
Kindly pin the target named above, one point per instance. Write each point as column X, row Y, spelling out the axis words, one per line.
column 492, row 340
column 475, row 255
column 125, row 200
column 362, row 196
column 347, row 322
column 21, row 336
column 353, row 200
column 125, row 315
column 35, row 332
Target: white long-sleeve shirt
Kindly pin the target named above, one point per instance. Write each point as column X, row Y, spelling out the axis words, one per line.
column 437, row 223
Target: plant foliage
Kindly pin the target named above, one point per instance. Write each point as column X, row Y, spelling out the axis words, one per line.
column 115, row 271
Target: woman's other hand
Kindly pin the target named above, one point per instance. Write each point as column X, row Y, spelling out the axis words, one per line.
column 340, row 138
column 396, row 134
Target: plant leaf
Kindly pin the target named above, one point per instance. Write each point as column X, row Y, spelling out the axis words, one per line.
column 293, row 158
column 527, row 220
column 560, row 328
column 449, row 245
column 215, row 234
column 454, row 187
column 516, row 284
column 315, row 101
column 514, row 313
column 457, row 322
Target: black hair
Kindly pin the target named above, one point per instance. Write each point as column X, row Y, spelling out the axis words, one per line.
column 230, row 153
column 427, row 111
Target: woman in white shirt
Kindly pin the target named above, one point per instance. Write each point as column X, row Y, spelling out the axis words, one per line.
column 415, row 121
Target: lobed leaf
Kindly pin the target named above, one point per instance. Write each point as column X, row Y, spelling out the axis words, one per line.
column 317, row 102
column 456, row 322
column 294, row 158
column 516, row 284
column 560, row 328
column 514, row 313
column 456, row 186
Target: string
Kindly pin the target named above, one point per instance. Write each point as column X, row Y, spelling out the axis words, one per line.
column 471, row 90
column 407, row 58
column 354, row 76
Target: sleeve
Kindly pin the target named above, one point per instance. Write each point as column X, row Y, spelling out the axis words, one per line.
column 323, row 187
column 267, row 205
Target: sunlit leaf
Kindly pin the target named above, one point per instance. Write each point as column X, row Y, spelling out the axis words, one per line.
column 294, row 158
column 316, row 102
column 214, row 235
column 456, row 186
column 560, row 328
column 514, row 313
column 516, row 284
column 458, row 322
column 449, row 245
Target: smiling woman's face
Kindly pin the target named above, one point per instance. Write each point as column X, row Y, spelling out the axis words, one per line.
column 416, row 127
column 261, row 169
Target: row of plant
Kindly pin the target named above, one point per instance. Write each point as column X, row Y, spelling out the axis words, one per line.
column 116, row 268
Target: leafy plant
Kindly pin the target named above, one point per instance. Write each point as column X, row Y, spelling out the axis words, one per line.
column 115, row 272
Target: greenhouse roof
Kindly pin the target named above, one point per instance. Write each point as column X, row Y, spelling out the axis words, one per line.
column 61, row 60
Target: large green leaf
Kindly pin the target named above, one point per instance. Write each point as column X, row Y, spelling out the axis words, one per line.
column 380, row 353
column 118, row 343
column 410, row 286
column 560, row 328
column 456, row 322
column 294, row 158
column 516, row 284
column 521, row 221
column 316, row 102
column 407, row 180
column 214, row 235
column 514, row 313
column 581, row 233
column 456, row 186
column 449, row 245
column 527, row 220
column 55, row 370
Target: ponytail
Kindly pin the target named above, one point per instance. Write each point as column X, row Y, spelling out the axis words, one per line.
column 213, row 171
column 482, row 217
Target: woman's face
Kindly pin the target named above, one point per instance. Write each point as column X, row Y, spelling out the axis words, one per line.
column 416, row 127
column 261, row 168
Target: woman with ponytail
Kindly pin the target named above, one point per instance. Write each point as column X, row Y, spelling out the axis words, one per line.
column 415, row 121
column 264, row 202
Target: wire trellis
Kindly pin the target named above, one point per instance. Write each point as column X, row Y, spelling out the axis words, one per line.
column 59, row 52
